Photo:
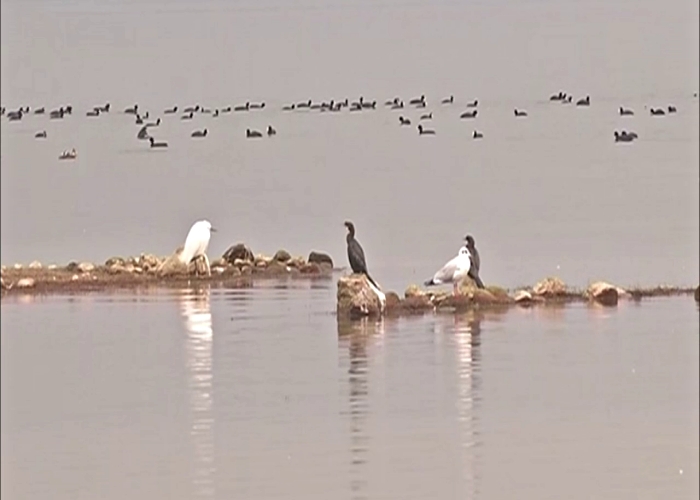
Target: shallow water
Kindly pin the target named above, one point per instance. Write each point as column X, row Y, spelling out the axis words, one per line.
column 549, row 194
column 260, row 393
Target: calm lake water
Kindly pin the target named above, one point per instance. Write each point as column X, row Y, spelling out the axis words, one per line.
column 261, row 393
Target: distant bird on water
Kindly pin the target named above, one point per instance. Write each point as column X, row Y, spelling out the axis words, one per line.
column 475, row 263
column 197, row 242
column 454, row 271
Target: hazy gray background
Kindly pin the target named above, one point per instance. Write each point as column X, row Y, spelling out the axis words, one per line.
column 551, row 190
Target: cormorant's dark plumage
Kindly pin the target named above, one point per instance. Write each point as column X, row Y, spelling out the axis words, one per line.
column 356, row 256
column 475, row 262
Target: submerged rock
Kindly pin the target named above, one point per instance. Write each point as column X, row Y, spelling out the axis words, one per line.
column 238, row 251
column 320, row 258
column 604, row 293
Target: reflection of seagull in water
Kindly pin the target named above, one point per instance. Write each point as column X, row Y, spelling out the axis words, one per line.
column 356, row 257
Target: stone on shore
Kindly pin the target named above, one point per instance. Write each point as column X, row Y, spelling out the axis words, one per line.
column 550, row 288
column 173, row 265
column 320, row 258
column 238, row 251
column 282, row 256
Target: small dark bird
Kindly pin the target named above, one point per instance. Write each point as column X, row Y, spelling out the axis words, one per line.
column 475, row 262
column 252, row 133
column 626, row 112
column 428, row 116
column 469, row 114
column 657, row 112
column 473, row 104
column 404, row 121
column 672, row 109
column 477, row 135
column 356, row 256
column 40, row 135
column 200, row 133
column 39, row 111
column 155, row 144
column 586, row 101
column 425, row 131
column 448, row 100
column 170, row 111
column 520, row 113
column 270, row 130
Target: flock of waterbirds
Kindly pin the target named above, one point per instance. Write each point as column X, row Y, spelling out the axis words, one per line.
column 395, row 104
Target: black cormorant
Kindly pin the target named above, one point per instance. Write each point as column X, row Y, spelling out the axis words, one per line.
column 475, row 262
column 356, row 256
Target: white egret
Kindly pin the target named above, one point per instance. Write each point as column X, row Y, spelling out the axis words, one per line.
column 197, row 242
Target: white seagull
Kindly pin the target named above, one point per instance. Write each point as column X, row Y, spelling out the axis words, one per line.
column 197, row 242
column 454, row 271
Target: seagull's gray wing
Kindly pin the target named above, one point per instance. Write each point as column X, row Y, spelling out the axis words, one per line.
column 447, row 272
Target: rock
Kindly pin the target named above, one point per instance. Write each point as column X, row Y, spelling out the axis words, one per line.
column 116, row 268
column 5, row 286
column 697, row 294
column 148, row 262
column 172, row 265
column 261, row 263
column 35, row 265
column 604, row 293
column 320, row 258
column 17, row 266
column 476, row 296
column 51, row 267
column 220, row 262
column 414, row 291
column 282, row 256
column 393, row 301
column 86, row 267
column 238, row 251
column 416, row 304
column 355, row 298
column 26, row 283
column 276, row 268
column 311, row 268
column 523, row 297
column 72, row 266
column 297, row 262
column 550, row 287
column 115, row 260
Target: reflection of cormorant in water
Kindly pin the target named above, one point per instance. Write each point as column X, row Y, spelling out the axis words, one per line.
column 355, row 336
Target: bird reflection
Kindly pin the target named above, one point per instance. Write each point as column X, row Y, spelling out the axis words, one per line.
column 466, row 335
column 194, row 304
column 355, row 336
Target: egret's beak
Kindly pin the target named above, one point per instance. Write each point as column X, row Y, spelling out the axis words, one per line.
column 213, row 229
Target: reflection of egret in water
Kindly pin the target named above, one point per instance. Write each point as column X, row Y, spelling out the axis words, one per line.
column 195, row 308
column 356, row 335
column 467, row 342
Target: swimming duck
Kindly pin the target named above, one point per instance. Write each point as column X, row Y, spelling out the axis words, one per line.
column 425, row 131
column 252, row 133
column 155, row 144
